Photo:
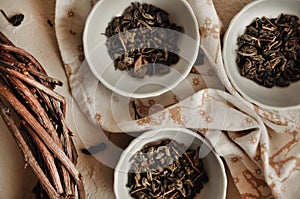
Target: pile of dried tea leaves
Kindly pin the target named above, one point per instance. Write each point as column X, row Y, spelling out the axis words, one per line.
column 142, row 40
column 269, row 51
column 163, row 169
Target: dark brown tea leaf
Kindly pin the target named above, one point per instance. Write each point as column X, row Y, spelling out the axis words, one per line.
column 269, row 51
column 142, row 39
column 165, row 169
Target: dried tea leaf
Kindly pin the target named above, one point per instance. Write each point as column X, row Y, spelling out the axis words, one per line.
column 138, row 64
column 268, row 52
column 163, row 169
column 15, row 20
column 142, row 33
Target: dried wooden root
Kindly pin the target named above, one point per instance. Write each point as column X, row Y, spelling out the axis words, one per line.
column 39, row 127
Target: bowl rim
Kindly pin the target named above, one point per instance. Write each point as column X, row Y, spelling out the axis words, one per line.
column 226, row 65
column 148, row 135
column 132, row 94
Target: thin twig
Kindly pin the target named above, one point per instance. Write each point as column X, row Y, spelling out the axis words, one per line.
column 44, row 136
column 35, row 84
column 42, row 111
column 66, row 132
column 23, row 53
column 42, row 117
column 49, row 160
column 43, row 77
column 68, row 144
column 5, row 56
column 45, row 99
column 27, row 152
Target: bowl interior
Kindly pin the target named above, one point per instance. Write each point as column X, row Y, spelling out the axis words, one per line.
column 214, row 188
column 101, row 64
column 276, row 97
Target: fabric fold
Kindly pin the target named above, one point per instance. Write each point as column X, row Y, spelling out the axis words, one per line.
column 260, row 147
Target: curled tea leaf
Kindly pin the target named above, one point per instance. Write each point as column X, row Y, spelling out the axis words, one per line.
column 145, row 36
column 15, row 20
column 269, row 51
column 163, row 169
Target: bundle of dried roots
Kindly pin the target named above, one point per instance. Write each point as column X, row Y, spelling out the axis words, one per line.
column 38, row 126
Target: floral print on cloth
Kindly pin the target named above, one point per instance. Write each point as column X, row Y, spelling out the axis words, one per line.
column 260, row 147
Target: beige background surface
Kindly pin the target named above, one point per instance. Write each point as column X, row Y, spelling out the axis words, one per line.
column 38, row 37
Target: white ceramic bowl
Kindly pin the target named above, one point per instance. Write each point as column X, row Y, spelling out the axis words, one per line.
column 215, row 188
column 270, row 98
column 120, row 82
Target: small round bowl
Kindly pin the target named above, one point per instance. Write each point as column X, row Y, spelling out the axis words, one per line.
column 102, row 66
column 214, row 188
column 269, row 98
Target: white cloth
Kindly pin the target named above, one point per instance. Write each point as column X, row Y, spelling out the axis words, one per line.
column 259, row 146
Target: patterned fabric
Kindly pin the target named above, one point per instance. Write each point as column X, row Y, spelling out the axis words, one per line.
column 261, row 147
